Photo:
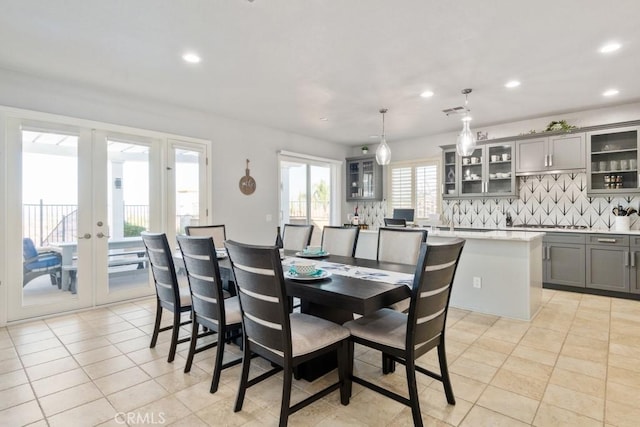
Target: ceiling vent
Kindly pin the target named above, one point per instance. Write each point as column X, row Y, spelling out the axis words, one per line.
column 455, row 110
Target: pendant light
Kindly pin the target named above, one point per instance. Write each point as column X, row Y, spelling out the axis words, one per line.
column 466, row 142
column 383, row 152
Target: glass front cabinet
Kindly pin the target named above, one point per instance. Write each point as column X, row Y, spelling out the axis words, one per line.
column 613, row 161
column 488, row 171
column 450, row 172
column 364, row 179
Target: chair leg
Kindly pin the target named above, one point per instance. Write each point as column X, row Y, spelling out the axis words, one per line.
column 175, row 331
column 286, row 395
column 156, row 327
column 343, row 372
column 444, row 372
column 244, row 376
column 217, row 368
column 192, row 345
column 388, row 364
column 350, row 356
column 413, row 393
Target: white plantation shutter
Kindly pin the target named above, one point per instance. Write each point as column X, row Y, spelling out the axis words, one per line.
column 415, row 185
column 401, row 187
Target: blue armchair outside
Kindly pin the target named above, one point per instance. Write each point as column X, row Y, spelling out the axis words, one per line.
column 37, row 263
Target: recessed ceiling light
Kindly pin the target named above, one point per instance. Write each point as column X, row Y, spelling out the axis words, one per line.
column 512, row 84
column 610, row 47
column 191, row 58
column 427, row 94
column 610, row 92
column 324, row 119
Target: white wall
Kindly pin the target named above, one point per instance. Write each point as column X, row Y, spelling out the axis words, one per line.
column 233, row 142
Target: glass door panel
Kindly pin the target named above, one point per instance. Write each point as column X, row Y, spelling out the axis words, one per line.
column 320, row 183
column 500, row 168
column 471, row 179
column 187, row 191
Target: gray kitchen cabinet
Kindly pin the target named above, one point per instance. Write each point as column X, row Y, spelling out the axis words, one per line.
column 449, row 173
column 364, row 179
column 563, row 259
column 634, row 279
column 613, row 161
column 488, row 172
column 608, row 263
column 552, row 153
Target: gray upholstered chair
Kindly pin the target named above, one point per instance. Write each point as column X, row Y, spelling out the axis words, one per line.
column 340, row 241
column 403, row 338
column 296, row 237
column 400, row 245
column 284, row 339
column 217, row 232
column 209, row 307
column 169, row 294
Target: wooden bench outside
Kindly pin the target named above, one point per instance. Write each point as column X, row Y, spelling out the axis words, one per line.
column 116, row 259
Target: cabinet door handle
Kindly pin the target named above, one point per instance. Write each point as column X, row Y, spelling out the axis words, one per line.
column 548, row 252
column 442, row 188
column 546, row 160
column 626, row 258
column 633, row 259
column 601, row 240
column 550, row 159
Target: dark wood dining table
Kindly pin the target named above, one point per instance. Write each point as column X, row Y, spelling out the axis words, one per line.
column 338, row 297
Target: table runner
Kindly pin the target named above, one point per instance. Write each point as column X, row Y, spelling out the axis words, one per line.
column 366, row 273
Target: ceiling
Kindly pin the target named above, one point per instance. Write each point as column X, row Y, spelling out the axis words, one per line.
column 286, row 64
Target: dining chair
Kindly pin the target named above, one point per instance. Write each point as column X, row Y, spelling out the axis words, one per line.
column 296, row 237
column 285, row 339
column 209, row 307
column 169, row 294
column 217, row 232
column 400, row 245
column 395, row 222
column 339, row 240
column 405, row 337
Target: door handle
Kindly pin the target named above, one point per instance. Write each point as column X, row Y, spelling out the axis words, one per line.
column 548, row 252
column 550, row 160
column 633, row 259
column 84, row 236
column 626, row 258
column 101, row 235
column 546, row 161
column 607, row 240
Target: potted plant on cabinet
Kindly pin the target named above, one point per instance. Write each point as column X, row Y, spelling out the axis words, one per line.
column 365, row 149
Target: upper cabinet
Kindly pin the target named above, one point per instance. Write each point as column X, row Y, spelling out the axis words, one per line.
column 549, row 154
column 364, row 179
column 450, row 172
column 489, row 171
column 613, row 161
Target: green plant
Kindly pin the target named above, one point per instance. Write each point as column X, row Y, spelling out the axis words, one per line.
column 364, row 147
column 132, row 230
column 559, row 125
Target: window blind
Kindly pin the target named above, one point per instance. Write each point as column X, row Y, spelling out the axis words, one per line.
column 415, row 185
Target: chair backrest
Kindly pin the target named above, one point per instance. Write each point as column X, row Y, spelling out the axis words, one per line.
column 163, row 270
column 203, row 273
column 28, row 249
column 217, row 232
column 400, row 245
column 340, row 241
column 435, row 272
column 395, row 222
column 296, row 237
column 263, row 299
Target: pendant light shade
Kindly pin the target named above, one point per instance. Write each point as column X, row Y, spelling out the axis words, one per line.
column 383, row 152
column 466, row 142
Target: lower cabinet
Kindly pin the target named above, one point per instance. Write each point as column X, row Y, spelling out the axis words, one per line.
column 608, row 262
column 563, row 259
column 634, row 272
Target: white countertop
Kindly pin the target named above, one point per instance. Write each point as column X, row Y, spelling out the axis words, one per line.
column 482, row 234
column 531, row 229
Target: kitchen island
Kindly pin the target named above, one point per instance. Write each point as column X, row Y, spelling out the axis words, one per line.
column 500, row 272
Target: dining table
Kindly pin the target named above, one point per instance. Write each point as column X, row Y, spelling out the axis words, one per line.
column 355, row 285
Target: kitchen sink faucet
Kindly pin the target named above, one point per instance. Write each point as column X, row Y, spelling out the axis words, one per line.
column 454, row 205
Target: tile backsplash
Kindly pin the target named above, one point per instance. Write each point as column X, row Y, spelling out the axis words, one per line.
column 559, row 199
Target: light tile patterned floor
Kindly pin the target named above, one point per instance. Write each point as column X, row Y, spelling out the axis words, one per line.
column 576, row 364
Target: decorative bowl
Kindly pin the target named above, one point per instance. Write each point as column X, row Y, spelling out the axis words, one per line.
column 304, row 268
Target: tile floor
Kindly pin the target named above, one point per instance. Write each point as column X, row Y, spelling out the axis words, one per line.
column 576, row 364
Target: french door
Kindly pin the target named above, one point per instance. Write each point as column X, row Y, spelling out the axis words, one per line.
column 85, row 197
column 308, row 192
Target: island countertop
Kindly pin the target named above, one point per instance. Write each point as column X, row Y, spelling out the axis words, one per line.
column 482, row 234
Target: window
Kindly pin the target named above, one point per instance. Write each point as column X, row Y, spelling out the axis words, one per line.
column 415, row 185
